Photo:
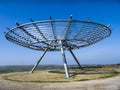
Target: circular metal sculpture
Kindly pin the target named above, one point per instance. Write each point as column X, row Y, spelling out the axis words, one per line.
column 57, row 35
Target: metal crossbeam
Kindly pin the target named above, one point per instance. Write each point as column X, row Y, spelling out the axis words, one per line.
column 38, row 29
column 82, row 28
column 16, row 41
column 102, row 30
column 20, row 27
column 21, row 37
column 30, row 34
column 51, row 21
column 92, row 31
column 68, row 27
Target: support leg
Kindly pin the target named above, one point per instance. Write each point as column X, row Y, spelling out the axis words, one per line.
column 75, row 58
column 65, row 63
column 38, row 61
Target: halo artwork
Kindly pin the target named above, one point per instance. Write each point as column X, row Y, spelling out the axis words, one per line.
column 58, row 35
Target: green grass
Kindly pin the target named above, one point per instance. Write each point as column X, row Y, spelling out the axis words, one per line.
column 58, row 75
column 54, row 76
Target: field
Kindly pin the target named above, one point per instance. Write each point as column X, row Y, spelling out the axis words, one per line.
column 105, row 77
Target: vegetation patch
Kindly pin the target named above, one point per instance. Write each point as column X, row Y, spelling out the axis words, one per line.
column 54, row 76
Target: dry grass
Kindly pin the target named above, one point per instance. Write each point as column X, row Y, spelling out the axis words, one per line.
column 58, row 76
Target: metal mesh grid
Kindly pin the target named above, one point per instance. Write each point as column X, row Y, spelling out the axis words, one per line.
column 47, row 34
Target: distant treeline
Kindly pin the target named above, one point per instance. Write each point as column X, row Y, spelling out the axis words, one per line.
column 98, row 66
column 21, row 68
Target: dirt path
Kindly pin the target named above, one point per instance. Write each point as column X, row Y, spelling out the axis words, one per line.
column 106, row 84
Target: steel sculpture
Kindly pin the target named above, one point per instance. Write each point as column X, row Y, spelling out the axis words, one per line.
column 57, row 35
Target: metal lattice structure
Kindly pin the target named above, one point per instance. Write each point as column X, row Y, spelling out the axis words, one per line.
column 57, row 35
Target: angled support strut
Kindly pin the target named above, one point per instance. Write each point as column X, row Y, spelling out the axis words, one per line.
column 39, row 61
column 75, row 59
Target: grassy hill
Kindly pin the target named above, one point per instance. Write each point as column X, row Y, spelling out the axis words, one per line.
column 55, row 73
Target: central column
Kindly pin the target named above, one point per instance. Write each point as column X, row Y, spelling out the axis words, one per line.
column 64, row 60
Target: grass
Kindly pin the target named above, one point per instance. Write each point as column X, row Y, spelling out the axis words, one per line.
column 54, row 76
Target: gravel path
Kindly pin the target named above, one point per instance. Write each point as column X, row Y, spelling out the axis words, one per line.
column 103, row 84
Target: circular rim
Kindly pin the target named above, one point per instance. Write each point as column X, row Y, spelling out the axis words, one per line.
column 52, row 34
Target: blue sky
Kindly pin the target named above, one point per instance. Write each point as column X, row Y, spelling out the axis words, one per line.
column 106, row 51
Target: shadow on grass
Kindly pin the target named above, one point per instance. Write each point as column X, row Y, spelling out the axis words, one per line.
column 84, row 71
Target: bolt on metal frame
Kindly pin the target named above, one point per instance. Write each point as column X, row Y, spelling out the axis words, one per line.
column 57, row 35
